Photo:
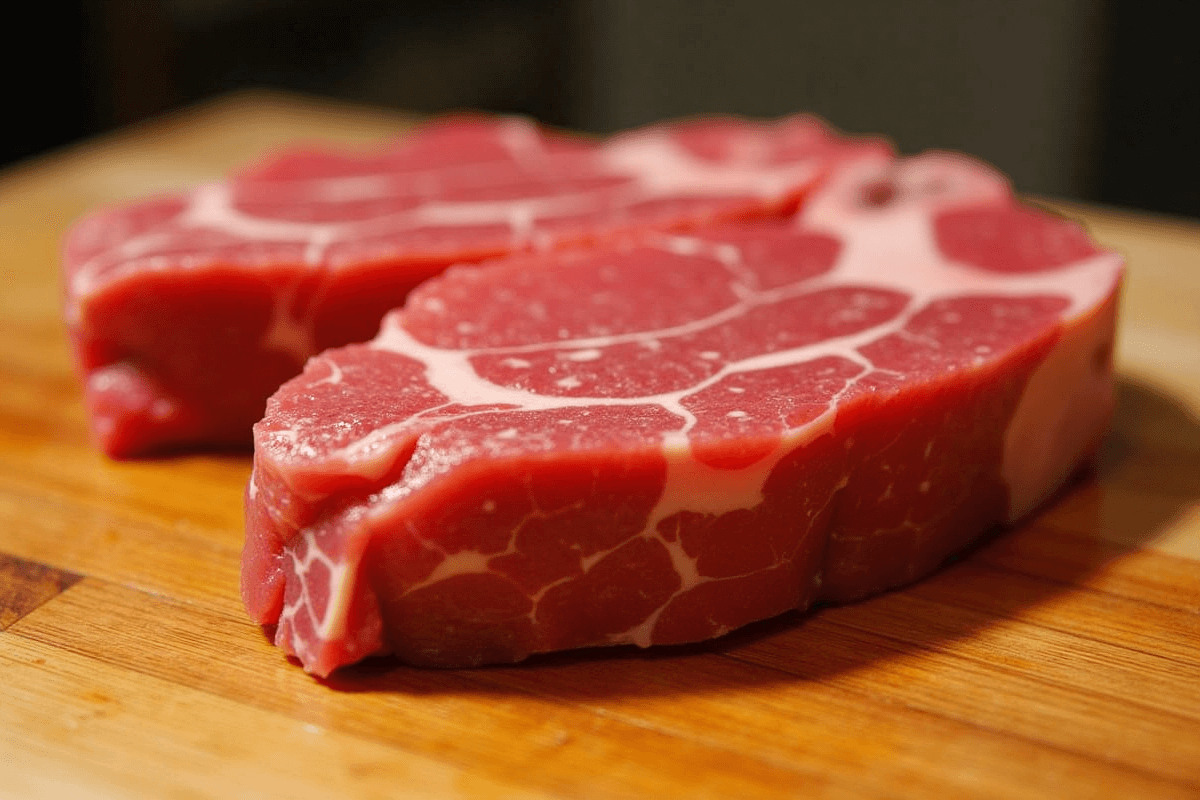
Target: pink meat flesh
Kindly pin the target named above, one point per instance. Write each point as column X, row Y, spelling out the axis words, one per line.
column 661, row 440
column 187, row 311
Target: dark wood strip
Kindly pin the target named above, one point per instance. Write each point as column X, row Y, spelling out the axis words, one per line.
column 25, row 585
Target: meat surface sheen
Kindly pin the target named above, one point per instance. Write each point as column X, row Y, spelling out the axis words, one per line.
column 187, row 311
column 660, row 441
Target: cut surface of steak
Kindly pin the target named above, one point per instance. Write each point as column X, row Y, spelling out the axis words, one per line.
column 187, row 311
column 662, row 440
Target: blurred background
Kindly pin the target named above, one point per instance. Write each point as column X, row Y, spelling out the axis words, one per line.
column 1096, row 100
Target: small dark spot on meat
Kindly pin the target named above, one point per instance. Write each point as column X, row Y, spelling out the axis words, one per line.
column 878, row 194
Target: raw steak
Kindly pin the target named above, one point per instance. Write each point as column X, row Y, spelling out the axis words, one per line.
column 187, row 311
column 660, row 441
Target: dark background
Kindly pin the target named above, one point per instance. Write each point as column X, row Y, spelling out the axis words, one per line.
column 1089, row 99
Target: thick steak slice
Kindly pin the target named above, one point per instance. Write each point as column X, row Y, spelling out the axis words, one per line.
column 660, row 442
column 188, row 311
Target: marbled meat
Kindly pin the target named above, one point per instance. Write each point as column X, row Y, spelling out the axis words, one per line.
column 660, row 440
column 187, row 311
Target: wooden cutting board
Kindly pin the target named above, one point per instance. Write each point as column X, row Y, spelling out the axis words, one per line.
column 1060, row 660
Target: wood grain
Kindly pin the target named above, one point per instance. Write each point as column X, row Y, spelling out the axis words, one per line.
column 1058, row 660
column 25, row 585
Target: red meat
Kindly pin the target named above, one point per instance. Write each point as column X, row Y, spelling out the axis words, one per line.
column 188, row 311
column 658, row 441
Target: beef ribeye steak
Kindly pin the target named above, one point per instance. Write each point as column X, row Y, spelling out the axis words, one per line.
column 662, row 440
column 187, row 311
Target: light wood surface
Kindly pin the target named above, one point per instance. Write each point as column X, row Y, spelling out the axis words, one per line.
column 1061, row 660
